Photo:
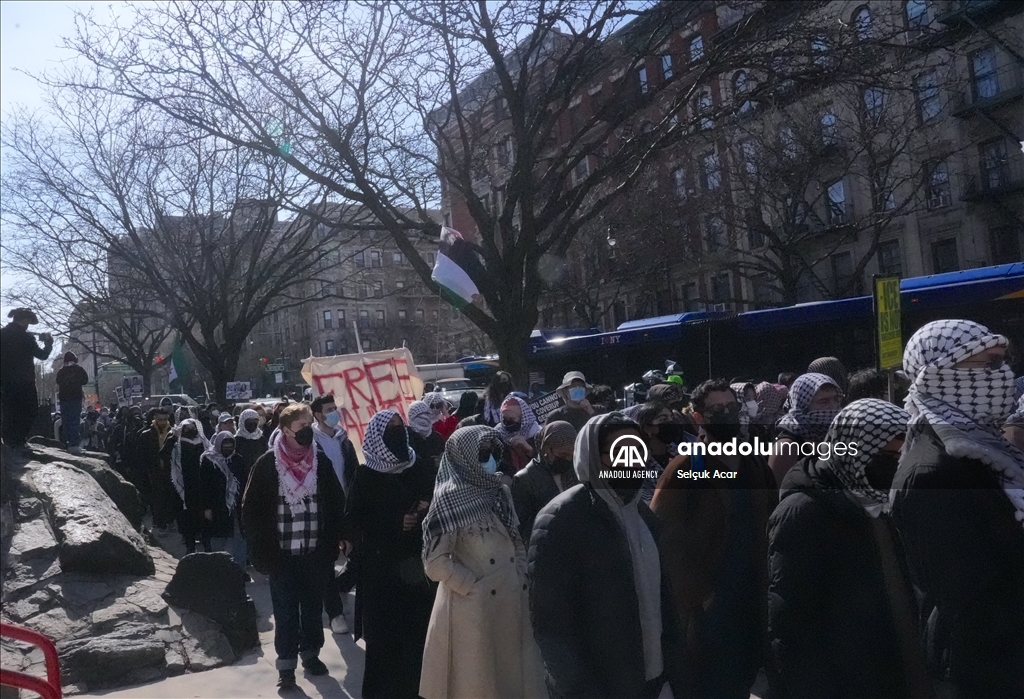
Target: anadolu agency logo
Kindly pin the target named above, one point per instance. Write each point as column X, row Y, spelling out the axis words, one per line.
column 629, row 459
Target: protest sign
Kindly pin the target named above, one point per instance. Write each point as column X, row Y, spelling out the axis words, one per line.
column 545, row 405
column 239, row 390
column 364, row 384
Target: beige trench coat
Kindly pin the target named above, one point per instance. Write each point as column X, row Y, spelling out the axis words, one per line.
column 480, row 641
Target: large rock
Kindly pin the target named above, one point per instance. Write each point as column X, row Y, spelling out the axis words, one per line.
column 212, row 585
column 33, row 540
column 118, row 655
column 94, row 535
column 124, row 494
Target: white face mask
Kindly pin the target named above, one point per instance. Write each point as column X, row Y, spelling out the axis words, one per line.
column 751, row 408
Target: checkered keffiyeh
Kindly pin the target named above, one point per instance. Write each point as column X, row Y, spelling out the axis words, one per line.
column 770, row 398
column 965, row 407
column 831, row 367
column 376, row 453
column 240, row 431
column 421, row 418
column 464, row 493
column 298, row 528
column 869, row 424
column 213, row 455
column 528, row 428
column 802, row 422
column 177, row 473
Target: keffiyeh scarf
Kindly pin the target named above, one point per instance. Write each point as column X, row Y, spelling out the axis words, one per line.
column 421, row 418
column 214, row 456
column 464, row 493
column 870, row 424
column 802, row 422
column 770, row 398
column 177, row 473
column 241, row 432
column 527, row 428
column 965, row 407
column 831, row 367
column 296, row 473
column 376, row 453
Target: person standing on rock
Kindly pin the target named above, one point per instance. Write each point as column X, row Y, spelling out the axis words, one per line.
column 70, row 380
column 292, row 513
column 154, row 450
column 222, row 493
column 18, row 376
column 186, row 456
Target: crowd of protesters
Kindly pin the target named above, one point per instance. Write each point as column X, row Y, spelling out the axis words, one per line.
column 875, row 550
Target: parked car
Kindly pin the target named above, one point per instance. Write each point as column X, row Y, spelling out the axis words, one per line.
column 175, row 399
column 452, row 389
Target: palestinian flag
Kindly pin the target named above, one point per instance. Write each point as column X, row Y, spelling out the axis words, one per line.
column 457, row 263
column 179, row 365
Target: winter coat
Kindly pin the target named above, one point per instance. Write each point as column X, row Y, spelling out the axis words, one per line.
column 70, row 379
column 259, row 513
column 965, row 552
column 577, row 417
column 583, row 599
column 830, row 622
column 251, row 449
column 532, row 489
column 480, row 642
column 214, row 486
column 698, row 545
column 18, row 349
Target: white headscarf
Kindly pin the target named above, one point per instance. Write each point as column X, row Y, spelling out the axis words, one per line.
column 801, row 421
column 214, row 456
column 421, row 418
column 241, row 432
column 177, row 473
column 965, row 407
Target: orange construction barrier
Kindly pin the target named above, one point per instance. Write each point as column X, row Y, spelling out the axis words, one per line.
column 50, row 688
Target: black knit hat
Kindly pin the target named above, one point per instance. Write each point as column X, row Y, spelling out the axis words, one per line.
column 70, row 356
column 19, row 314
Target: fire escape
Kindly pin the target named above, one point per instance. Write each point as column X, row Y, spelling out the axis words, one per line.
column 992, row 101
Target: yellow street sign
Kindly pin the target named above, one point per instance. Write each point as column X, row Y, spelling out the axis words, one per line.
column 888, row 323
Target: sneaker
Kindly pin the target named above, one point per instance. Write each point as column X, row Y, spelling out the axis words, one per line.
column 339, row 624
column 315, row 666
column 286, row 679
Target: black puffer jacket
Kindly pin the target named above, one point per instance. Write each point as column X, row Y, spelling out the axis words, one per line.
column 533, row 488
column 831, row 630
column 965, row 551
column 583, row 601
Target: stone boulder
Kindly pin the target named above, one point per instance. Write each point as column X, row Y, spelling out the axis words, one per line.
column 212, row 585
column 93, row 535
column 117, row 655
column 124, row 494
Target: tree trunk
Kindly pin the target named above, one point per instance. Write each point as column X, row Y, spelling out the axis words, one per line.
column 147, row 380
column 512, row 356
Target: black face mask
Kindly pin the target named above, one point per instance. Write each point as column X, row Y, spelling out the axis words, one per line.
column 560, row 465
column 881, row 470
column 504, row 388
column 671, row 433
column 723, row 423
column 304, row 436
column 251, row 425
column 189, row 433
column 227, row 453
column 511, row 425
column 396, row 439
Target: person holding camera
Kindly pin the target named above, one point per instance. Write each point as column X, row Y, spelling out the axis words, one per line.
column 18, row 375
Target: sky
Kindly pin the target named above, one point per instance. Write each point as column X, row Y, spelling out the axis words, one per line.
column 31, row 34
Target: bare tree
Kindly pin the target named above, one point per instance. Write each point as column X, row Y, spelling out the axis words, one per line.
column 374, row 100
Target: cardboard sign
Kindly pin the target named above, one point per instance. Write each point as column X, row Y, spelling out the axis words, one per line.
column 889, row 326
column 239, row 390
column 364, row 384
column 545, row 405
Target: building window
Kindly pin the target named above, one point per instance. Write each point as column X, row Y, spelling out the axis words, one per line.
column 874, row 104
column 641, row 78
column 995, row 166
column 985, row 79
column 765, row 292
column 433, row 315
column 944, row 257
column 889, row 262
column 419, row 315
column 819, row 50
column 318, row 352
column 397, row 259
column 581, row 171
column 504, row 149
column 756, row 228
column 341, row 318
column 714, row 229
column 780, row 70
column 360, row 259
column 378, row 290
column 829, row 129
column 381, row 318
column 721, row 291
column 399, row 285
column 748, row 154
column 918, row 15
column 862, row 24
column 501, row 108
column 364, row 319
column 375, row 258
column 666, row 66
column 402, row 314
column 937, row 184
column 927, row 88
column 702, row 108
column 741, row 88
column 327, row 320
column 329, row 346
column 787, row 142
column 431, row 257
column 710, row 171
column 884, row 198
column 364, row 291
column 842, row 272
column 1005, row 242
column 837, row 203
column 679, row 184
column 696, row 49
column 366, row 345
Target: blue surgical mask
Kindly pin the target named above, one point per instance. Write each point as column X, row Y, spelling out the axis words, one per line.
column 577, row 394
column 489, row 466
column 333, row 419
